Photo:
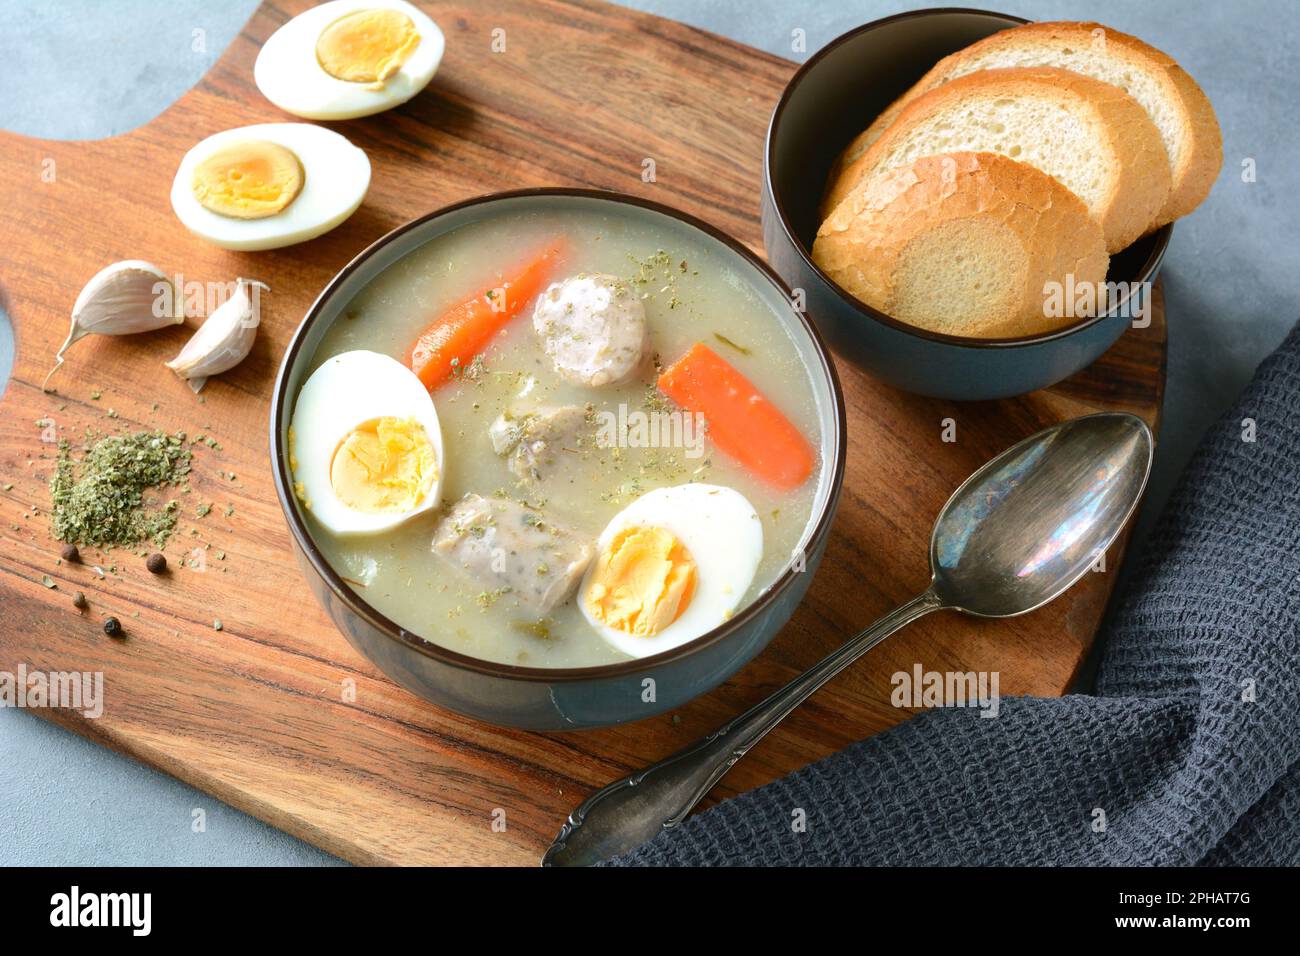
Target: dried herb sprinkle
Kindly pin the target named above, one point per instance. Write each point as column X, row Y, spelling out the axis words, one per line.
column 99, row 500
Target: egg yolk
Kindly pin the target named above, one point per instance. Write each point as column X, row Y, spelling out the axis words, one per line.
column 384, row 465
column 366, row 46
column 248, row 180
column 642, row 582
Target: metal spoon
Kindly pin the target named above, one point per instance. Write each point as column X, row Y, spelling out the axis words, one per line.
column 1015, row 535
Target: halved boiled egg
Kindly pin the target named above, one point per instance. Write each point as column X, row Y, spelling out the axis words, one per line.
column 349, row 58
column 365, row 446
column 269, row 185
column 672, row 565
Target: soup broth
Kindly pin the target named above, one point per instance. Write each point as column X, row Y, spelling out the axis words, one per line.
column 631, row 443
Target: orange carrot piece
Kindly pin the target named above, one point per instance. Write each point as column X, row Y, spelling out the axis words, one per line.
column 741, row 421
column 463, row 331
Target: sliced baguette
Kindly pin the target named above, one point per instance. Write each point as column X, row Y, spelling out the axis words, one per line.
column 962, row 244
column 1093, row 137
column 1178, row 107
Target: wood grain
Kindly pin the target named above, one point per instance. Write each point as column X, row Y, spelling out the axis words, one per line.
column 257, row 714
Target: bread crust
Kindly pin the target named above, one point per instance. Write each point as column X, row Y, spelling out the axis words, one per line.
column 1138, row 182
column 1044, row 233
column 1192, row 172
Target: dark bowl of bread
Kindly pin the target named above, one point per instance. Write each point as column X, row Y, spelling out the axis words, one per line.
column 973, row 206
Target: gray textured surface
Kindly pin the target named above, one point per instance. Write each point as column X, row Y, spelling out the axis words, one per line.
column 84, row 70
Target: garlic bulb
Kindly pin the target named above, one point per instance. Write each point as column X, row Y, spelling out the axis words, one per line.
column 126, row 297
column 224, row 340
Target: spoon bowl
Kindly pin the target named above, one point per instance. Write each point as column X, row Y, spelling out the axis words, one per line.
column 1004, row 544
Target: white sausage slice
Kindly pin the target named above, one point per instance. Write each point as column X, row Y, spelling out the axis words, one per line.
column 536, row 440
column 593, row 327
column 512, row 549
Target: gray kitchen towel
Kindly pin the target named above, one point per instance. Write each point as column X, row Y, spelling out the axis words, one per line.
column 1189, row 753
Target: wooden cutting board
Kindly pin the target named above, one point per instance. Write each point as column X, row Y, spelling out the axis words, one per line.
column 256, row 714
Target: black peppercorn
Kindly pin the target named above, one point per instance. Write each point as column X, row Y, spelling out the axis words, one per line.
column 156, row 563
column 79, row 601
column 113, row 627
column 70, row 553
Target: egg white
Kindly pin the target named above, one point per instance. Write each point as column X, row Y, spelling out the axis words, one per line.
column 336, row 177
column 289, row 75
column 346, row 391
column 724, row 535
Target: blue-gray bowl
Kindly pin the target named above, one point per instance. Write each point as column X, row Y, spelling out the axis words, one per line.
column 536, row 698
column 832, row 98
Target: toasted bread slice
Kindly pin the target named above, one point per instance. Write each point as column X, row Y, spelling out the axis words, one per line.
column 1178, row 107
column 964, row 244
column 1092, row 136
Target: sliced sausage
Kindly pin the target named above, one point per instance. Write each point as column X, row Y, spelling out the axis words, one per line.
column 514, row 550
column 535, row 440
column 593, row 328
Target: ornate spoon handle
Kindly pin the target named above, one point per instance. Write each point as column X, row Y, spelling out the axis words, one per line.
column 629, row 812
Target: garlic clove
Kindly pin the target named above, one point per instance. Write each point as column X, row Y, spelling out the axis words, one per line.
column 121, row 299
column 224, row 340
